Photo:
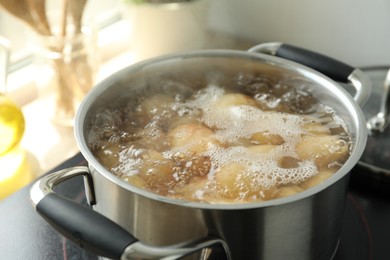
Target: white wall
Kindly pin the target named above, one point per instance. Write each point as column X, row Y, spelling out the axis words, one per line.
column 355, row 31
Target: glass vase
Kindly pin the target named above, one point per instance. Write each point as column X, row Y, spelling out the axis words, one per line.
column 67, row 68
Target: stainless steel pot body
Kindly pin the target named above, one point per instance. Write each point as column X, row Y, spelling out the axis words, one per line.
column 306, row 228
column 302, row 226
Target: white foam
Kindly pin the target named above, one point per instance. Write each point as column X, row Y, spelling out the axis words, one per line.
column 129, row 162
column 263, row 168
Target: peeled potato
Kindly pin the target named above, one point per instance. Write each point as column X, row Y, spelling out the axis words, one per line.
column 136, row 181
column 266, row 138
column 236, row 183
column 155, row 104
column 323, row 150
column 288, row 191
column 190, row 168
column 321, row 176
column 153, row 138
column 194, row 190
column 316, row 128
column 196, row 138
column 108, row 154
column 261, row 149
column 226, row 178
column 233, row 99
column 252, row 189
column 182, row 120
column 155, row 170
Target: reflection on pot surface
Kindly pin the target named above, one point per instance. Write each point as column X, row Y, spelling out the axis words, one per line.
column 259, row 140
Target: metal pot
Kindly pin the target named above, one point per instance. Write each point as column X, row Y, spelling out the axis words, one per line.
column 137, row 224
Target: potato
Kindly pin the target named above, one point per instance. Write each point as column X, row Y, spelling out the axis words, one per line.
column 252, row 189
column 182, row 120
column 323, row 150
column 201, row 190
column 240, row 141
column 108, row 154
column 226, row 178
column 152, row 138
column 146, row 169
column 155, row 104
column 233, row 99
column 316, row 128
column 288, row 191
column 195, row 137
column 194, row 191
column 235, row 183
column 190, row 168
column 156, row 171
column 266, row 138
column 261, row 149
column 136, row 181
column 321, row 176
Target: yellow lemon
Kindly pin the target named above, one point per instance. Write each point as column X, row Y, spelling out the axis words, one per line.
column 11, row 124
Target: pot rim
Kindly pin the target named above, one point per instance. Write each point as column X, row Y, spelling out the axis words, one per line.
column 359, row 141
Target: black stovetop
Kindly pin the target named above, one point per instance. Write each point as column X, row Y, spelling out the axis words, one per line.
column 25, row 235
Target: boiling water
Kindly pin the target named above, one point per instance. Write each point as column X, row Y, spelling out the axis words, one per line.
column 221, row 145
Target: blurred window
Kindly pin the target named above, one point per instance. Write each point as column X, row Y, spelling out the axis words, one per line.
column 101, row 13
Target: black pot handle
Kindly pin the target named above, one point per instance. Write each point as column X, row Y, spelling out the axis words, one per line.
column 328, row 66
column 78, row 223
column 93, row 231
column 86, row 228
